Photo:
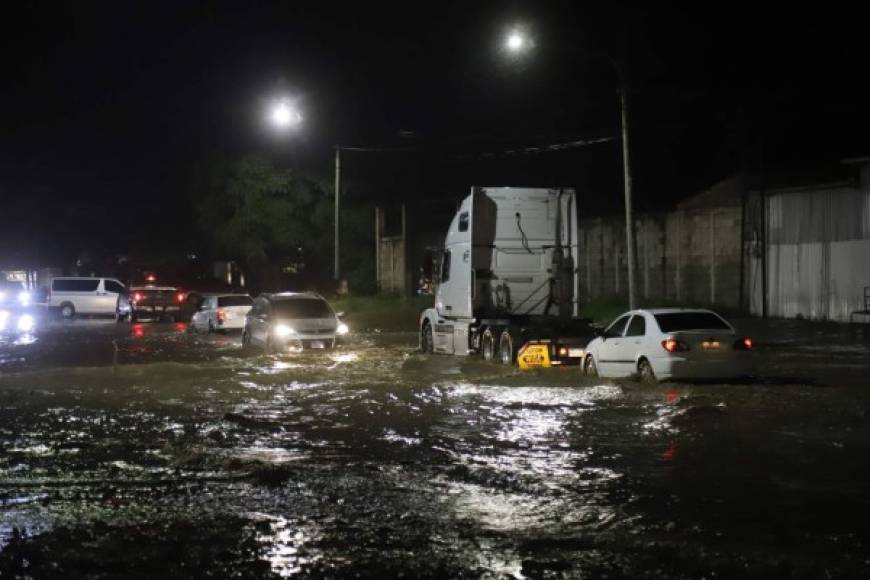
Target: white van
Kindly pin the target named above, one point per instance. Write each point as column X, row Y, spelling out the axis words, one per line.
column 86, row 296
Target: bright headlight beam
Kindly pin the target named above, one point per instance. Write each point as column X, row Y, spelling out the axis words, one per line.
column 25, row 323
column 283, row 331
column 341, row 329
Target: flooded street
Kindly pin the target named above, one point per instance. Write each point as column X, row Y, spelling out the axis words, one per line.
column 191, row 457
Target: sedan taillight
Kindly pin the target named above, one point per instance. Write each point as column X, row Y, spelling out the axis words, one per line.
column 744, row 343
column 671, row 344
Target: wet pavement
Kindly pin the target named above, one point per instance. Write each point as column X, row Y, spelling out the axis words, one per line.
column 193, row 458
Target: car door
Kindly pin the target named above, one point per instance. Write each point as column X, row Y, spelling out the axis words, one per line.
column 632, row 345
column 609, row 349
column 107, row 296
column 87, row 295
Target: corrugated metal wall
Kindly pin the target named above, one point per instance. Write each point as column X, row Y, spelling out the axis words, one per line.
column 818, row 252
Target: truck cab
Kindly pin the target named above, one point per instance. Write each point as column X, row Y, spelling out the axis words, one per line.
column 508, row 274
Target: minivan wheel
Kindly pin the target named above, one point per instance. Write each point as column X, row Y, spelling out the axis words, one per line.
column 67, row 310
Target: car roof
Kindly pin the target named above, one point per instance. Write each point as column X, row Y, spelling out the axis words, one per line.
column 152, row 287
column 669, row 310
column 222, row 294
column 292, row 295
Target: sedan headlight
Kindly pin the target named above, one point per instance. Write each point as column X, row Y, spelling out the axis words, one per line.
column 25, row 323
column 341, row 329
column 283, row 331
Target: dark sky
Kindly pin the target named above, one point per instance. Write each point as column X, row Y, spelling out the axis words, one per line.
column 112, row 105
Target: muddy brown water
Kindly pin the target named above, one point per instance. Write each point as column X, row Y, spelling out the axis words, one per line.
column 193, row 458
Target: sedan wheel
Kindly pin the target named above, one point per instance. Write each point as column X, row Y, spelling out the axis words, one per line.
column 645, row 372
column 427, row 344
column 590, row 368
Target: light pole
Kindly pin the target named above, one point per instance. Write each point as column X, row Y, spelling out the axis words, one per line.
column 337, row 202
column 517, row 43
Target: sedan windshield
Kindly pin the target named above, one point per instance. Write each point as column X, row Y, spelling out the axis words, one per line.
column 235, row 301
column 302, row 308
column 676, row 321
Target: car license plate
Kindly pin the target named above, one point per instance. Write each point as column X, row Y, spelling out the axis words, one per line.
column 575, row 352
column 317, row 344
column 710, row 345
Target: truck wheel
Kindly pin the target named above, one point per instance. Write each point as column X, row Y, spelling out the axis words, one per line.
column 589, row 368
column 427, row 344
column 67, row 310
column 487, row 345
column 507, row 354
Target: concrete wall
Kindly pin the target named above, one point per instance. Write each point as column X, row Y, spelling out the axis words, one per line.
column 687, row 256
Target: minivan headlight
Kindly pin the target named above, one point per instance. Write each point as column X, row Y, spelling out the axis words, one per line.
column 341, row 329
column 283, row 331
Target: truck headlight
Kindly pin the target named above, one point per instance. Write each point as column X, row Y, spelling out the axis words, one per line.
column 283, row 331
column 341, row 329
column 25, row 323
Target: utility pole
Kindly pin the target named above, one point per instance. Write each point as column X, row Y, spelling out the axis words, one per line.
column 337, row 203
column 626, row 175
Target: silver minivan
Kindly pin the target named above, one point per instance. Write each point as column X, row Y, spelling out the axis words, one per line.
column 73, row 296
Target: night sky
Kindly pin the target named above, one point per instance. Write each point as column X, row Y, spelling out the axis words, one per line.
column 108, row 109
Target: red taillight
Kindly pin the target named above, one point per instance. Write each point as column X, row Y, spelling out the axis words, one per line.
column 744, row 343
column 221, row 314
column 673, row 345
column 180, row 296
column 137, row 297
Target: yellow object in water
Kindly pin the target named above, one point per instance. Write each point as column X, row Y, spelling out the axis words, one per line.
column 533, row 356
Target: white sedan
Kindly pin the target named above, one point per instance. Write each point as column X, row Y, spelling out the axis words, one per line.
column 669, row 343
column 221, row 312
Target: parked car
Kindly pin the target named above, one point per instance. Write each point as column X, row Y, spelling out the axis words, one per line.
column 222, row 312
column 156, row 302
column 95, row 296
column 290, row 320
column 669, row 343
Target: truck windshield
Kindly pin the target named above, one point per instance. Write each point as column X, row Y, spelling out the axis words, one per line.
column 676, row 321
column 301, row 308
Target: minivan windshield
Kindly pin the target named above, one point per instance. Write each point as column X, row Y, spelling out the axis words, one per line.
column 301, row 308
column 676, row 321
column 235, row 301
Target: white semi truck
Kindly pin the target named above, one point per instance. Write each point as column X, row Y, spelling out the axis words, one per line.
column 509, row 279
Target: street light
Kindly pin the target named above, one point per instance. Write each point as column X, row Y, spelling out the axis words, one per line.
column 284, row 114
column 516, row 42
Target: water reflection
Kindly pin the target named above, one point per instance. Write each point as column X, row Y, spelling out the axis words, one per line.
column 285, row 545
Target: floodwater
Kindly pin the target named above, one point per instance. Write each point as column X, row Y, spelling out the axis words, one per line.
column 193, row 458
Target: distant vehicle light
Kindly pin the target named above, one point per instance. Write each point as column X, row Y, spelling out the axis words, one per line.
column 341, row 329
column 180, row 297
column 150, row 278
column 221, row 315
column 744, row 343
column 25, row 323
column 671, row 344
column 563, row 351
column 283, row 331
column 24, row 298
column 137, row 297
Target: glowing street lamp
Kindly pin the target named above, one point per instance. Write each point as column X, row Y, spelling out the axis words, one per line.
column 517, row 41
column 284, row 114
